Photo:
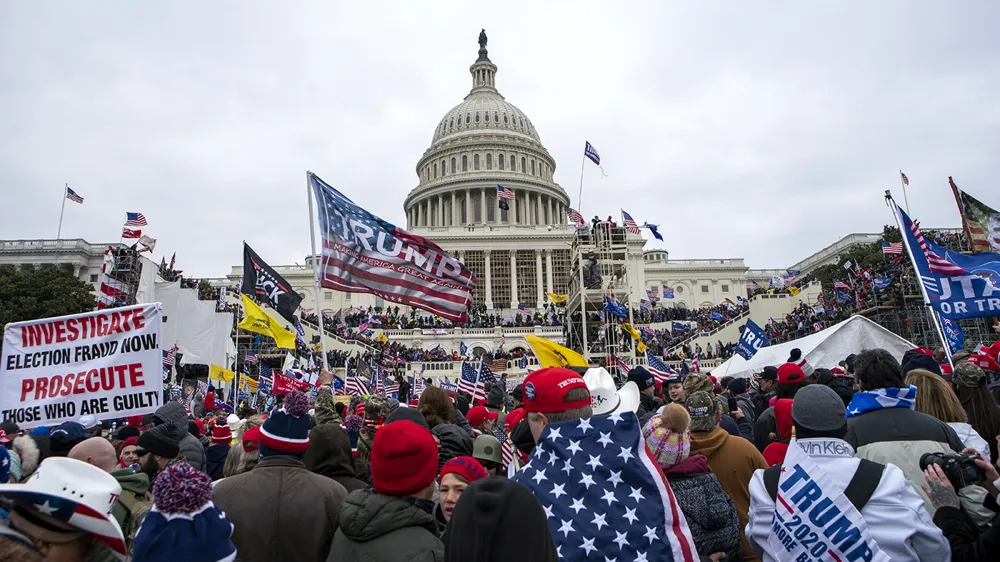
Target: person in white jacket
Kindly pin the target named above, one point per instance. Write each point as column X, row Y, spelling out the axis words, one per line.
column 894, row 513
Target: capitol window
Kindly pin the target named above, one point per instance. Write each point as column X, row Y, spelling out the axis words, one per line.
column 704, row 288
column 477, row 118
column 725, row 288
column 496, row 117
column 679, row 290
column 451, row 123
column 532, row 167
column 486, row 117
column 489, row 161
column 504, row 118
column 465, row 163
column 468, row 118
column 435, row 170
column 513, row 163
column 453, row 165
column 475, row 161
column 500, row 160
column 524, row 165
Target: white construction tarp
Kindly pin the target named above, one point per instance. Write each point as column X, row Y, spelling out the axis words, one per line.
column 824, row 349
column 202, row 335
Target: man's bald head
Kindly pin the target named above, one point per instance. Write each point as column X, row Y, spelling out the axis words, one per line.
column 96, row 451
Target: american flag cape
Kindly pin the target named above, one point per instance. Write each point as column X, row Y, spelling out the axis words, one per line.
column 364, row 254
column 603, row 494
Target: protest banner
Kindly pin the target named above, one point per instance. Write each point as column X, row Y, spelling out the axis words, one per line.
column 105, row 363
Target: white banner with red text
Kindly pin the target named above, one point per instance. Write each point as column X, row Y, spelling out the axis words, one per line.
column 107, row 364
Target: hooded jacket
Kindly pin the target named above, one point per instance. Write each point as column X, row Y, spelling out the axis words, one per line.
column 329, row 455
column 215, row 460
column 281, row 511
column 135, row 495
column 709, row 512
column 733, row 460
column 895, row 514
column 453, row 442
column 377, row 528
column 174, row 414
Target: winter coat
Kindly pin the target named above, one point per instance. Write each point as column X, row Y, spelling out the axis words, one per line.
column 761, row 401
column 29, row 455
column 462, row 422
column 745, row 404
column 133, row 503
column 900, row 436
column 970, row 438
column 763, row 428
column 281, row 511
column 377, row 528
column 649, row 404
column 967, row 543
column 324, row 408
column 215, row 460
column 329, row 455
column 710, row 513
column 733, row 460
column 174, row 414
column 845, row 393
column 895, row 514
column 198, row 408
column 454, row 442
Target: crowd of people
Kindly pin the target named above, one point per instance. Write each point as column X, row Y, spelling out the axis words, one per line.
column 884, row 458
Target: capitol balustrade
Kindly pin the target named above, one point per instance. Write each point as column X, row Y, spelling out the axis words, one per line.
column 438, row 370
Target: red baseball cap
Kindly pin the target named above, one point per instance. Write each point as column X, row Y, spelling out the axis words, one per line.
column 513, row 418
column 790, row 373
column 545, row 390
column 478, row 414
column 985, row 362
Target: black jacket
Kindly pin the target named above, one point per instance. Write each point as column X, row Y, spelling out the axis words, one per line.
column 377, row 528
column 967, row 544
column 454, row 442
column 329, row 454
column 215, row 460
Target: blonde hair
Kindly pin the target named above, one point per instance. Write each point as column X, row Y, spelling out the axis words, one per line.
column 935, row 397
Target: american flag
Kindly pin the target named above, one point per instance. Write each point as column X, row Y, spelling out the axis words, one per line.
column 391, row 387
column 471, row 382
column 507, row 452
column 72, row 196
column 416, row 272
column 250, row 359
column 418, row 385
column 603, row 494
column 658, row 368
column 935, row 263
column 170, row 356
column 379, row 380
column 623, row 367
column 575, row 217
column 504, row 192
column 695, row 364
column 135, row 219
column 129, row 233
column 838, row 284
column 893, row 248
column 906, row 180
column 356, row 386
column 630, row 225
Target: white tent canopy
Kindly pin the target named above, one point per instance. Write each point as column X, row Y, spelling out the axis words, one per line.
column 824, row 349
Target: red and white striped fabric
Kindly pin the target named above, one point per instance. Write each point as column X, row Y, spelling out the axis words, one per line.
column 623, row 366
column 418, row 385
column 355, row 387
column 695, row 364
column 575, row 217
column 630, row 224
column 936, row 263
column 365, row 254
column 504, row 192
column 507, row 451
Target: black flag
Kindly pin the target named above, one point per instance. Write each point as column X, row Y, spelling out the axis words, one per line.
column 266, row 286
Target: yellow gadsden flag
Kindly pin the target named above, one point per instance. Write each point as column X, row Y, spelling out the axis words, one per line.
column 627, row 328
column 217, row 373
column 793, row 290
column 557, row 298
column 551, row 354
column 382, row 337
column 260, row 322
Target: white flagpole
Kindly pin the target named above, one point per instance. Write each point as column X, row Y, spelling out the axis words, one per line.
column 906, row 201
column 579, row 198
column 315, row 265
column 62, row 210
column 913, row 261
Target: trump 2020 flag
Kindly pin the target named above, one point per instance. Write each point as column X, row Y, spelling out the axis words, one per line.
column 751, row 340
column 603, row 494
column 954, row 334
column 365, row 254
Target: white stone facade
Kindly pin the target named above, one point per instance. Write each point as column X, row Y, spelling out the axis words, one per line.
column 78, row 256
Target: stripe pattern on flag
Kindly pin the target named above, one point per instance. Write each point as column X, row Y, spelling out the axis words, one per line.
column 72, row 196
column 630, row 224
column 894, row 248
column 135, row 219
column 936, row 263
column 575, row 217
column 504, row 192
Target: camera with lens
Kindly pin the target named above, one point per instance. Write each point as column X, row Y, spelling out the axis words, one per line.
column 960, row 468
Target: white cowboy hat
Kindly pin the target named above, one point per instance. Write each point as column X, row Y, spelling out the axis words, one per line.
column 604, row 398
column 75, row 493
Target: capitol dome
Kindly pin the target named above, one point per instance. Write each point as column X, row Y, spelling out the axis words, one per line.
column 481, row 143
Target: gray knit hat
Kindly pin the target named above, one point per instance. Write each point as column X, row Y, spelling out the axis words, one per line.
column 818, row 408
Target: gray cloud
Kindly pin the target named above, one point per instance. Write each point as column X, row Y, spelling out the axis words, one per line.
column 744, row 130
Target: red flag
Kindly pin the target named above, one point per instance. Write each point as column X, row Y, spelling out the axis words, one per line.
column 129, row 233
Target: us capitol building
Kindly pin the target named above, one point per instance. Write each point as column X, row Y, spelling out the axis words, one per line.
column 517, row 254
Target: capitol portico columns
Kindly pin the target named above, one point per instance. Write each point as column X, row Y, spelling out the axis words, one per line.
column 468, row 206
column 482, row 209
column 538, row 276
column 513, row 279
column 548, row 268
column 489, row 284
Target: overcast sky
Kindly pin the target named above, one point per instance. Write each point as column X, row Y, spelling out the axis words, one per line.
column 762, row 130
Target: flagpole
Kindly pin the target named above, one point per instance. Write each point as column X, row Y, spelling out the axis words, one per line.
column 315, row 265
column 920, row 283
column 906, row 200
column 62, row 210
column 579, row 198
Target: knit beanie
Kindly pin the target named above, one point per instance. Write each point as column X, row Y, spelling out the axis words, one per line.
column 160, row 441
column 668, row 435
column 796, row 357
column 184, row 523
column 221, row 433
column 411, row 414
column 404, row 459
column 130, row 442
column 126, row 431
column 818, row 410
column 738, row 385
column 467, row 468
column 286, row 432
column 921, row 361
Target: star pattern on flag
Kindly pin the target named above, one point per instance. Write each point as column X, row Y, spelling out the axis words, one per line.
column 602, row 494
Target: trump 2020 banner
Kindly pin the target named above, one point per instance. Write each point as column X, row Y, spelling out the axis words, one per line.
column 107, row 364
column 751, row 340
column 365, row 254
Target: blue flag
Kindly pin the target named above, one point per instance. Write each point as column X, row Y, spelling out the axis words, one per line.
column 653, row 230
column 752, row 339
column 881, row 282
column 716, row 316
column 678, row 327
column 590, row 152
column 954, row 334
column 614, row 308
column 462, row 348
column 843, row 296
column 957, row 285
column 668, row 292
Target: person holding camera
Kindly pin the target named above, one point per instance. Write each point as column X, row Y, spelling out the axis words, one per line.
column 943, row 476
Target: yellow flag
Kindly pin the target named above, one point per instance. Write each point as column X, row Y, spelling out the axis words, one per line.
column 382, row 338
column 793, row 290
column 551, row 354
column 640, row 347
column 557, row 298
column 260, row 322
column 630, row 330
column 250, row 384
column 217, row 373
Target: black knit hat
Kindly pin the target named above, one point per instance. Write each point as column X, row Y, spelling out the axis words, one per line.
column 641, row 377
column 159, row 440
column 126, row 431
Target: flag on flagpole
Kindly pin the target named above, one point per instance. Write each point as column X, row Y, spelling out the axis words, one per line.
column 893, row 248
column 72, row 196
column 504, row 192
column 590, row 152
column 575, row 217
column 630, row 224
column 129, row 233
column 653, row 230
column 135, row 219
column 906, row 180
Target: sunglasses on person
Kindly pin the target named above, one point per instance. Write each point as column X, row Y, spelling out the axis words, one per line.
column 140, row 452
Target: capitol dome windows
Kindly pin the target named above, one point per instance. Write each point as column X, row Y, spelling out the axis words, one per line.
column 504, row 118
column 468, row 118
column 524, row 165
column 435, row 170
column 500, row 160
column 443, row 168
column 489, row 161
column 465, row 163
column 477, row 118
column 513, row 163
column 496, row 117
column 475, row 161
column 453, row 165
column 532, row 167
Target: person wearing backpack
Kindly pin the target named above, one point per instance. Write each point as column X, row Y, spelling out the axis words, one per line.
column 823, row 492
